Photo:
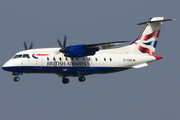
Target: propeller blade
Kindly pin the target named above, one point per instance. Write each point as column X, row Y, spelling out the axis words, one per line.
column 59, row 42
column 25, row 46
column 64, row 45
column 63, row 49
column 30, row 47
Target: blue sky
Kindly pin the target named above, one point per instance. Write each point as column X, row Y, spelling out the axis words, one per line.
column 148, row 93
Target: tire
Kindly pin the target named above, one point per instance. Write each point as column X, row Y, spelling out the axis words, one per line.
column 16, row 79
column 65, row 81
column 82, row 79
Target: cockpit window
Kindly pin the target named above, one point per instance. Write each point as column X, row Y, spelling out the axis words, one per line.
column 17, row 56
column 26, row 56
column 20, row 56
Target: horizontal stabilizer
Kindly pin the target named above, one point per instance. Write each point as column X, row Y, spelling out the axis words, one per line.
column 155, row 21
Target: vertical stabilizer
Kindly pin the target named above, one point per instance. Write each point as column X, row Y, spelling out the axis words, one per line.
column 147, row 40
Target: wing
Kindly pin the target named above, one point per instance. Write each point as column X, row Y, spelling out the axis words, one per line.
column 104, row 45
column 90, row 49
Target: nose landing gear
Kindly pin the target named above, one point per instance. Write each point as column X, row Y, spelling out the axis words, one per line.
column 16, row 79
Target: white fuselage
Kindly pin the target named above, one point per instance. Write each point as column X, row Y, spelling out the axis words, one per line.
column 50, row 60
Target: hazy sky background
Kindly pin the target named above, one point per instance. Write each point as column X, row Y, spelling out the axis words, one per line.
column 149, row 93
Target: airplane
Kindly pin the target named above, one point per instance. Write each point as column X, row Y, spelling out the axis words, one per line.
column 87, row 59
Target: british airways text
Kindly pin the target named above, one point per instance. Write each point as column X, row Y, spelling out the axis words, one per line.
column 54, row 63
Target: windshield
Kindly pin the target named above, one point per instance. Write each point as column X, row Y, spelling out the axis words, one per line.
column 26, row 56
column 17, row 56
column 20, row 56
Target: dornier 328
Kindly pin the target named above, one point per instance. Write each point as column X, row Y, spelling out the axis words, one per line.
column 82, row 60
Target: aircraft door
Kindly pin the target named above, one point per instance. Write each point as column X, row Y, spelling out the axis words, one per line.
column 39, row 61
column 90, row 58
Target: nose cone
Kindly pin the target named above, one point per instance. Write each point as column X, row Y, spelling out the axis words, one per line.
column 5, row 67
column 12, row 65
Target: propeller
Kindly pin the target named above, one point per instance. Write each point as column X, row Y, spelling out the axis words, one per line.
column 63, row 49
column 25, row 46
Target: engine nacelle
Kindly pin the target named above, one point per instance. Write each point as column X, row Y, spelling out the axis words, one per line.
column 79, row 51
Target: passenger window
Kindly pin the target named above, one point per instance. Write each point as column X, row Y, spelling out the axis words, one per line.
column 47, row 58
column 66, row 59
column 110, row 59
column 96, row 59
column 54, row 58
column 72, row 58
column 26, row 56
column 60, row 58
column 104, row 59
column 17, row 56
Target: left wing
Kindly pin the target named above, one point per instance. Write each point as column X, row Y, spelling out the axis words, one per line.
column 85, row 50
column 107, row 45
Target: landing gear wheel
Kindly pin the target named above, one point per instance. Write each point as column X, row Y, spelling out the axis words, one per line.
column 16, row 79
column 82, row 79
column 65, row 81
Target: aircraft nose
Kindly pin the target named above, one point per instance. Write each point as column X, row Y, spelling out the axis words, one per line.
column 10, row 65
column 4, row 67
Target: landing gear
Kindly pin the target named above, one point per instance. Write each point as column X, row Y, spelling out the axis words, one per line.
column 82, row 79
column 65, row 80
column 16, row 79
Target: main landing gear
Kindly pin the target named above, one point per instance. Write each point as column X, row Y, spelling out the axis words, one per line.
column 66, row 80
column 82, row 79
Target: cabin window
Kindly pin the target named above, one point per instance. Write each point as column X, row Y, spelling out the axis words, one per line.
column 54, row 58
column 60, row 58
column 104, row 59
column 96, row 59
column 72, row 58
column 47, row 58
column 26, row 56
column 17, row 56
column 110, row 59
column 66, row 59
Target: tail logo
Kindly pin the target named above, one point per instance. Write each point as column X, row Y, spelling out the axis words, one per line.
column 147, row 37
column 147, row 41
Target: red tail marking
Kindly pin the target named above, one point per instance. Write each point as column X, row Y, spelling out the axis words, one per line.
column 158, row 57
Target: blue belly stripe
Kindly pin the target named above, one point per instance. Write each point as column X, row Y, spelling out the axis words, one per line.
column 68, row 71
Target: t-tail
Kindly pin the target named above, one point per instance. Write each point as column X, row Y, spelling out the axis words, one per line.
column 147, row 40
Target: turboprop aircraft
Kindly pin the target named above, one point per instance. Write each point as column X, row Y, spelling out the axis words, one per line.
column 82, row 60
